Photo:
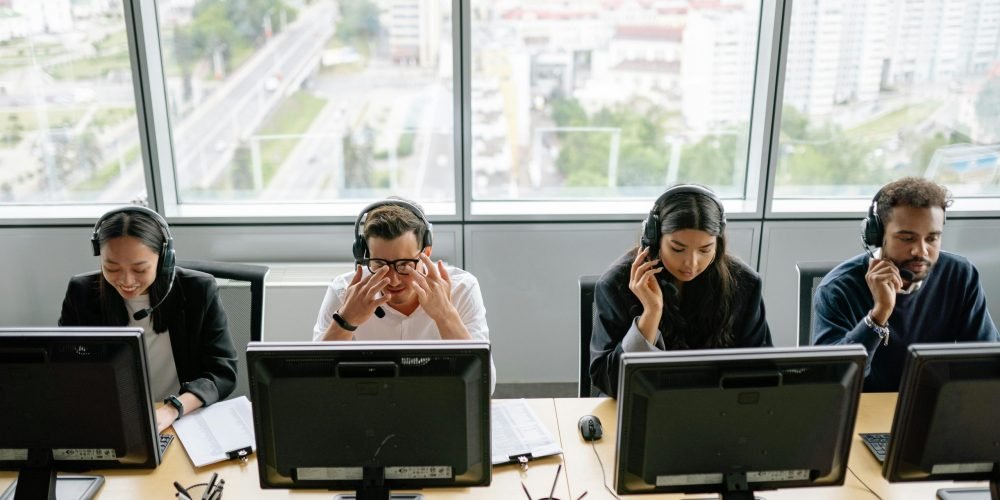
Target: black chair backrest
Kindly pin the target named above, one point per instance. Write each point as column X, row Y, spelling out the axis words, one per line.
column 242, row 293
column 587, row 284
column 810, row 276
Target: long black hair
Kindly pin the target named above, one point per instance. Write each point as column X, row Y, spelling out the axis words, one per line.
column 703, row 318
column 143, row 228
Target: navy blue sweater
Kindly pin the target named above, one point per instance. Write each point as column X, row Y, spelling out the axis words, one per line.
column 950, row 306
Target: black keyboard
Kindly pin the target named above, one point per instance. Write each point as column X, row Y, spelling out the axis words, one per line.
column 165, row 440
column 877, row 442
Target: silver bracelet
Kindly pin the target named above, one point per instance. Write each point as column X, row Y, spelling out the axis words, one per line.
column 882, row 331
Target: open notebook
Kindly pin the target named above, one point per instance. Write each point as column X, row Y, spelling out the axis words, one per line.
column 517, row 432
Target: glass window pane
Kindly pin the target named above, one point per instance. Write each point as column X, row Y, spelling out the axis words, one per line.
column 610, row 99
column 68, row 128
column 879, row 89
column 283, row 101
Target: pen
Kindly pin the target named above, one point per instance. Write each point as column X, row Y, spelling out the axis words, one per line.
column 525, row 488
column 218, row 490
column 181, row 492
column 555, row 481
column 210, row 488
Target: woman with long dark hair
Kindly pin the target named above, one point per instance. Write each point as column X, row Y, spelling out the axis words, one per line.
column 189, row 352
column 678, row 289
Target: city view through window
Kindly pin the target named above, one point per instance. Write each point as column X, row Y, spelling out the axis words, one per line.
column 878, row 89
column 292, row 101
column 68, row 129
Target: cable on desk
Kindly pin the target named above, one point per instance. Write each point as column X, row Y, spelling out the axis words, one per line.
column 870, row 490
column 604, row 476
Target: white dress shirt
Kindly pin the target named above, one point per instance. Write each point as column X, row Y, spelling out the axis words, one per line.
column 465, row 296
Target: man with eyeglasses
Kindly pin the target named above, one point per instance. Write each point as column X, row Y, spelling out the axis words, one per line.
column 397, row 292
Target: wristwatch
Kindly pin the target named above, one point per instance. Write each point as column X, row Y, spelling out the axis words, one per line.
column 341, row 322
column 881, row 330
column 176, row 403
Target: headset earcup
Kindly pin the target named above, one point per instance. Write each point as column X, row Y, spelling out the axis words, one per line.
column 168, row 260
column 871, row 231
column 96, row 245
column 359, row 249
column 651, row 234
column 428, row 236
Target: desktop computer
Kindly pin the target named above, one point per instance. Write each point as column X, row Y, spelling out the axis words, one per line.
column 73, row 399
column 735, row 421
column 371, row 416
column 947, row 421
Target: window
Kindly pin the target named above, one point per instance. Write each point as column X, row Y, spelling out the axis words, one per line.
column 609, row 100
column 68, row 128
column 286, row 102
column 877, row 90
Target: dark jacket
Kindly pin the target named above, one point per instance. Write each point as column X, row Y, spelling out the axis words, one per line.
column 199, row 333
column 950, row 306
column 617, row 307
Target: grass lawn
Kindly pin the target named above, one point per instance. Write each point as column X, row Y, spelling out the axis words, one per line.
column 94, row 67
column 293, row 116
column 884, row 126
column 64, row 117
column 102, row 177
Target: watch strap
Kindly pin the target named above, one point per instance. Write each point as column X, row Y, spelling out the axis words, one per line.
column 341, row 322
column 176, row 403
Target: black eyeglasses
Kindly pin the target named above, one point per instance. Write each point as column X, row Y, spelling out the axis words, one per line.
column 401, row 266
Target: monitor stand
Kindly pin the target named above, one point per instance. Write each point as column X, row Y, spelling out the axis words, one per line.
column 990, row 493
column 36, row 483
column 373, row 488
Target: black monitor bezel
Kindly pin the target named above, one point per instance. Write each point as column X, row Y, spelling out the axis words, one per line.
column 265, row 350
column 132, row 337
column 633, row 363
column 919, row 356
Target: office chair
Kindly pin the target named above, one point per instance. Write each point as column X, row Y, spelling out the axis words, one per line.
column 587, row 283
column 810, row 276
column 241, row 289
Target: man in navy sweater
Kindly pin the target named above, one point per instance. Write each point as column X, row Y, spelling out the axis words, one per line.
column 911, row 293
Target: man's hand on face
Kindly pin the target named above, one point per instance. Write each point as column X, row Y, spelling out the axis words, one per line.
column 434, row 290
column 363, row 297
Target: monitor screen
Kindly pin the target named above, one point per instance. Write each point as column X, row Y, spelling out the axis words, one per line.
column 945, row 426
column 371, row 415
column 74, row 399
column 732, row 421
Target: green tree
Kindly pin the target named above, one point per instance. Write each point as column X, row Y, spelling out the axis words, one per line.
column 358, row 21
column 584, row 156
column 711, row 161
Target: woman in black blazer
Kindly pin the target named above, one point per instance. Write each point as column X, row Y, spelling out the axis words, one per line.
column 679, row 289
column 190, row 355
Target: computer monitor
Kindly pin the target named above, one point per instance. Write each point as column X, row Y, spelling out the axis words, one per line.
column 735, row 421
column 371, row 416
column 73, row 399
column 947, row 421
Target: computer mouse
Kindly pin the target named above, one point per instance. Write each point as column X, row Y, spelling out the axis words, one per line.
column 590, row 428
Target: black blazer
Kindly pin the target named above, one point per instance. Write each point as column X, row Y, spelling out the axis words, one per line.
column 197, row 325
column 616, row 308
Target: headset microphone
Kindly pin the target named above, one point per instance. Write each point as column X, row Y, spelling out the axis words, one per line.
column 380, row 312
column 142, row 313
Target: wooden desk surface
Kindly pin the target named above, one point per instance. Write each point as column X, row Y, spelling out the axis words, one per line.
column 585, row 471
column 875, row 415
column 242, row 481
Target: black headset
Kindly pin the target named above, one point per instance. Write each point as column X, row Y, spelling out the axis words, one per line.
column 360, row 247
column 166, row 266
column 651, row 224
column 872, row 229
